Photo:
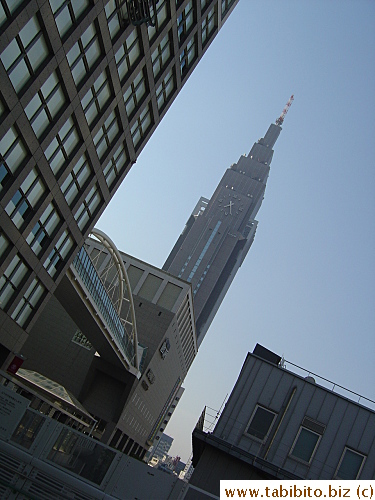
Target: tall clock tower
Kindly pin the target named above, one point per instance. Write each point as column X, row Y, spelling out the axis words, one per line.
column 220, row 231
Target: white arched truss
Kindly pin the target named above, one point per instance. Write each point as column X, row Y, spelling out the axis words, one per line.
column 111, row 270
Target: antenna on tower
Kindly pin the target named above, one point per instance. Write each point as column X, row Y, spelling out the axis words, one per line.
column 280, row 120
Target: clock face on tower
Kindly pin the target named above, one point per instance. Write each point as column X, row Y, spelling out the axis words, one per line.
column 230, row 204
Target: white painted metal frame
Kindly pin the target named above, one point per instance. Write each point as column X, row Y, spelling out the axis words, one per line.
column 124, row 292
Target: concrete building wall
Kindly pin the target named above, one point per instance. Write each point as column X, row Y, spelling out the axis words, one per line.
column 145, row 410
column 52, row 351
column 216, row 465
column 333, row 421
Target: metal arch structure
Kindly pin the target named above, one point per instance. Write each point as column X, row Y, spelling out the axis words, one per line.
column 116, row 282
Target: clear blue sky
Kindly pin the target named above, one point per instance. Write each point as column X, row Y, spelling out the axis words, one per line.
column 307, row 287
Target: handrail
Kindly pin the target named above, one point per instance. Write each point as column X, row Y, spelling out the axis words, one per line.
column 329, row 381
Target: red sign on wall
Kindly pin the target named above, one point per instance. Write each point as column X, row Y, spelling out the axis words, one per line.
column 15, row 364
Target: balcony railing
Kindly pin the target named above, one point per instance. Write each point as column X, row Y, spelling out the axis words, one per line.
column 93, row 284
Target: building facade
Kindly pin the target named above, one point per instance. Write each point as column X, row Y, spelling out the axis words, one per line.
column 160, row 450
column 131, row 408
column 160, row 433
column 221, row 230
column 82, row 91
column 280, row 424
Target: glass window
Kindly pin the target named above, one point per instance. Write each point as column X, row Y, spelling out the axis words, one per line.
column 82, row 56
column 127, row 55
column 161, row 19
column 25, row 54
column 12, row 280
column 29, row 302
column 4, row 246
column 134, row 93
column 204, row 4
column 305, row 444
column 113, row 13
column 165, row 89
column 115, row 166
column 141, row 126
column 28, row 429
column 59, row 152
column 106, row 134
column 12, row 155
column 208, row 25
column 97, row 96
column 350, row 464
column 225, row 5
column 43, row 231
column 88, row 208
column 59, row 255
column 188, row 56
column 45, row 105
column 260, row 423
column 67, row 12
column 185, row 21
column 21, row 208
column 7, row 7
column 77, row 450
column 161, row 55
column 3, row 14
column 76, row 180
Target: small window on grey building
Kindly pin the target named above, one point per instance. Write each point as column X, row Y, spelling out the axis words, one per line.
column 260, row 423
column 150, row 287
column 305, row 444
column 169, row 296
column 134, row 275
column 350, row 464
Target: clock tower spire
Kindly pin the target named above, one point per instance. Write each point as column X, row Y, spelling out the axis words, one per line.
column 221, row 230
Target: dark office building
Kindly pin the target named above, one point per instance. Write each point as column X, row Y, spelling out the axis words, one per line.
column 84, row 84
column 220, row 231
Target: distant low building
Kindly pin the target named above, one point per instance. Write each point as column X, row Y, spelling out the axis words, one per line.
column 186, row 474
column 161, row 448
column 278, row 424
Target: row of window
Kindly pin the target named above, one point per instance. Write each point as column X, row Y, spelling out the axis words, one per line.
column 203, row 252
column 25, row 53
column 27, row 199
column 28, row 50
column 306, row 442
column 50, row 99
column 21, row 209
column 69, row 12
column 22, row 58
column 12, row 280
